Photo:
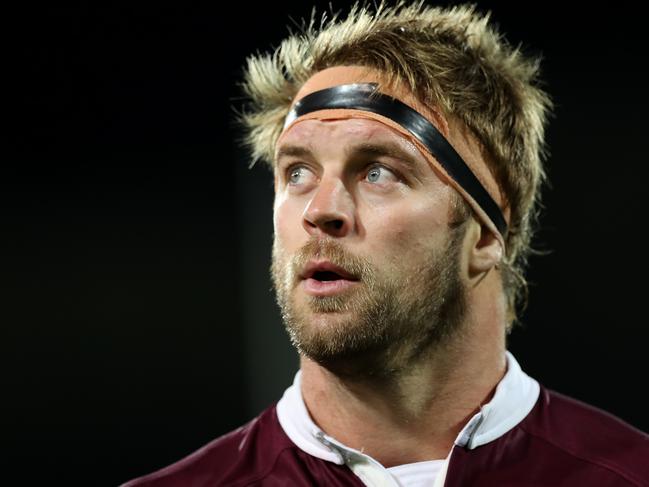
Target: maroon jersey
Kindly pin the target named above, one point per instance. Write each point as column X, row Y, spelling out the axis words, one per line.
column 561, row 442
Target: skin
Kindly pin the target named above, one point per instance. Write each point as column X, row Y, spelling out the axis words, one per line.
column 326, row 189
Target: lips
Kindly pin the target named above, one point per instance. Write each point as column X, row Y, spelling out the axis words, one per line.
column 326, row 271
column 321, row 279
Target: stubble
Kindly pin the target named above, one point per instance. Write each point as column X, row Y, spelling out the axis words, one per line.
column 383, row 324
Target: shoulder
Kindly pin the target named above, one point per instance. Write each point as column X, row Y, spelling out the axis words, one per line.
column 232, row 459
column 255, row 454
column 589, row 436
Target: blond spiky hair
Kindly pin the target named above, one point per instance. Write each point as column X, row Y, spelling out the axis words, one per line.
column 450, row 58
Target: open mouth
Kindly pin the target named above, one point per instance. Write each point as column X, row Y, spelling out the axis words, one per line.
column 325, row 279
column 326, row 276
column 326, row 271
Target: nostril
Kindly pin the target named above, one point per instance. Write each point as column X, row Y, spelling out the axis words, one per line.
column 337, row 224
column 333, row 224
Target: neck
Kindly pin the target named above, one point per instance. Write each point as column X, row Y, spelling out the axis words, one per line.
column 416, row 415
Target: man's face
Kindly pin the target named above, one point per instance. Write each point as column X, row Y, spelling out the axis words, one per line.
column 365, row 265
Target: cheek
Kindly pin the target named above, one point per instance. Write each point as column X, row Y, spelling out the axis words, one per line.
column 408, row 232
column 287, row 215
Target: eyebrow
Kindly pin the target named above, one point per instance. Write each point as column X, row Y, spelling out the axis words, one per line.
column 292, row 151
column 384, row 149
column 366, row 149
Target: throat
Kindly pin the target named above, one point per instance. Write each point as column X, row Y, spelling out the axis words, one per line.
column 353, row 413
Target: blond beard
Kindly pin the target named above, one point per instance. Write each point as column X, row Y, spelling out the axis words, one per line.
column 385, row 323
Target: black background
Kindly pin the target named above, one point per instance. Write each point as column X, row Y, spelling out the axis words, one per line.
column 136, row 313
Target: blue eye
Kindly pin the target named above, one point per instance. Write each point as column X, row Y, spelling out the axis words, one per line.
column 380, row 174
column 374, row 174
column 295, row 175
column 300, row 176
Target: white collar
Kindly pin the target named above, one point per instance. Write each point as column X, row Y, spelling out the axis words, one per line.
column 512, row 401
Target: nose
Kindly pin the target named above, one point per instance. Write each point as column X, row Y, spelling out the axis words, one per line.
column 330, row 211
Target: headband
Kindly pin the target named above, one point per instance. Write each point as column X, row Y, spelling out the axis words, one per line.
column 353, row 92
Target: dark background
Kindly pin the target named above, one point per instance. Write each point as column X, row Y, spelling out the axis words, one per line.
column 137, row 317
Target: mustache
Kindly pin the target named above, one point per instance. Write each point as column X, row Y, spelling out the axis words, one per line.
column 334, row 252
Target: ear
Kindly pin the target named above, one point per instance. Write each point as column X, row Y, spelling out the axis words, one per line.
column 486, row 251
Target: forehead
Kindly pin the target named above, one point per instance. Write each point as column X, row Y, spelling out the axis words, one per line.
column 340, row 134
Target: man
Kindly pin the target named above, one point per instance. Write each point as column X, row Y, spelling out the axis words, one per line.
column 406, row 145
